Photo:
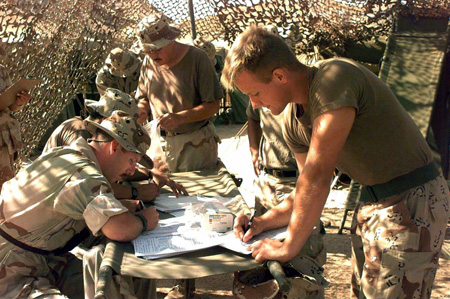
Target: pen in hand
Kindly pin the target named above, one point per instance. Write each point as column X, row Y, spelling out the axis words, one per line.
column 249, row 223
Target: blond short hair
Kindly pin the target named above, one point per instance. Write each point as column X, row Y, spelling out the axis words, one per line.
column 258, row 51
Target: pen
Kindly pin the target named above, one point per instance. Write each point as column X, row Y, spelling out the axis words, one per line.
column 250, row 221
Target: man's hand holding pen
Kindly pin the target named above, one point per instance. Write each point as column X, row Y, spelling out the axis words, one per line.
column 245, row 227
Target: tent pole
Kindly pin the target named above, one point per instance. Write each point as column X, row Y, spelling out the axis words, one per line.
column 191, row 15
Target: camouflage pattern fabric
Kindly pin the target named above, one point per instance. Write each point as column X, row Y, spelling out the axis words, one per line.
column 126, row 84
column 66, row 133
column 396, row 244
column 44, row 206
column 10, row 139
column 192, row 151
column 127, row 131
column 113, row 99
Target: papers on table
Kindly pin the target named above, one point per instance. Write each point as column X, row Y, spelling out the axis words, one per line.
column 232, row 243
column 170, row 238
column 168, row 203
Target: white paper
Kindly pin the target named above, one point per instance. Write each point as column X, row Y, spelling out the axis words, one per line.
column 172, row 238
column 167, row 202
column 235, row 244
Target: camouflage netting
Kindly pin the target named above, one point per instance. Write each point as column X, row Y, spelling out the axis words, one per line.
column 64, row 42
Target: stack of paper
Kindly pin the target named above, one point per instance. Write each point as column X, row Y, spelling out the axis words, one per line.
column 232, row 243
column 170, row 238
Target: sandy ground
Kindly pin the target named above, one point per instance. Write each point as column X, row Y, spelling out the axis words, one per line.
column 235, row 154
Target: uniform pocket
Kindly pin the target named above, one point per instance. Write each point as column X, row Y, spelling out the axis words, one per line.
column 404, row 274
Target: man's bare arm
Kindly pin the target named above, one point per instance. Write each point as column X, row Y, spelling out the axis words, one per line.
column 330, row 130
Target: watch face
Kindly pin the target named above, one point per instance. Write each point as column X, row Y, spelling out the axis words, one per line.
column 134, row 192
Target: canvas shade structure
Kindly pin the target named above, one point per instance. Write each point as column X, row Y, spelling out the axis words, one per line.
column 65, row 42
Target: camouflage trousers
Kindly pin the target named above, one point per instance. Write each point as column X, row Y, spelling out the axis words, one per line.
column 28, row 275
column 192, row 151
column 121, row 286
column 269, row 192
column 396, row 244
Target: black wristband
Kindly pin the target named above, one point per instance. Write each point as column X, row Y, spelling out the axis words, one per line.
column 150, row 175
column 144, row 222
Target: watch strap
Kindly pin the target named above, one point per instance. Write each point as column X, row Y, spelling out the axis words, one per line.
column 134, row 192
column 144, row 222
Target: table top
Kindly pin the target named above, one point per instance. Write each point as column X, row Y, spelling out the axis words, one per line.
column 211, row 261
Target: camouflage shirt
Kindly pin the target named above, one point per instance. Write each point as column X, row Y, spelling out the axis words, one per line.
column 49, row 202
column 126, row 84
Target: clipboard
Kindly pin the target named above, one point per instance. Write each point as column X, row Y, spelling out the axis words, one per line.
column 8, row 97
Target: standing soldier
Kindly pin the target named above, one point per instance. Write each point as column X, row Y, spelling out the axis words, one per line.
column 121, row 71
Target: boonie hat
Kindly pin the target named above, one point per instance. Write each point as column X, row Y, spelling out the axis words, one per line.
column 208, row 47
column 272, row 29
column 113, row 99
column 122, row 63
column 128, row 132
column 154, row 32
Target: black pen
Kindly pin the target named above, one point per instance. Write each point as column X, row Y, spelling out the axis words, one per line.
column 250, row 221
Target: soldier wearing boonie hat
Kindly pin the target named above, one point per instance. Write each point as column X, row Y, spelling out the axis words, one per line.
column 128, row 132
column 73, row 128
column 154, row 33
column 74, row 198
column 121, row 71
column 181, row 87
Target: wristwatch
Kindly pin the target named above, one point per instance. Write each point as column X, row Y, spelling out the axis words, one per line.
column 134, row 192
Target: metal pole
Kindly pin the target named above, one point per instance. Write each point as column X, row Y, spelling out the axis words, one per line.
column 191, row 15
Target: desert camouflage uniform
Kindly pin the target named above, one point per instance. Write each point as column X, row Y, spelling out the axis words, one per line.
column 401, row 243
column 44, row 206
column 10, row 140
column 121, row 71
column 126, row 84
column 270, row 190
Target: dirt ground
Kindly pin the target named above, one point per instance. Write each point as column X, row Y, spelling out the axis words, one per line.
column 235, row 154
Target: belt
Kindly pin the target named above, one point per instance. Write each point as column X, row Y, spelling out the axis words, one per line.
column 278, row 173
column 165, row 133
column 415, row 178
column 74, row 241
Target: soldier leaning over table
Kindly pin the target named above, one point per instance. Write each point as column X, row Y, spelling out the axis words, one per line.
column 52, row 204
column 339, row 114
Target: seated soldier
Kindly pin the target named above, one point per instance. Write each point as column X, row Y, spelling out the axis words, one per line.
column 73, row 128
column 121, row 71
column 63, row 195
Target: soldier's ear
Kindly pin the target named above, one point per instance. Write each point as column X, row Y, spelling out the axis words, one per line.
column 115, row 145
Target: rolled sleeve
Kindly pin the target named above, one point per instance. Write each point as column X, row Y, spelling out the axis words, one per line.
column 100, row 209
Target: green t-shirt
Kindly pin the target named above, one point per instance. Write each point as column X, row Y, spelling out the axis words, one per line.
column 384, row 141
column 273, row 150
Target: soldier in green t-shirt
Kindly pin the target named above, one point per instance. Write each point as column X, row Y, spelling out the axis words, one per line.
column 339, row 114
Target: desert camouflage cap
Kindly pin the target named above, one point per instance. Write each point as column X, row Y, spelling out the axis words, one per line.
column 272, row 29
column 112, row 100
column 206, row 46
column 122, row 63
column 154, row 32
column 128, row 132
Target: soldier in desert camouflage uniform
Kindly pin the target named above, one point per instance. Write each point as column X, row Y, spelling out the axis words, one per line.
column 339, row 114
column 10, row 140
column 121, row 71
column 61, row 194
